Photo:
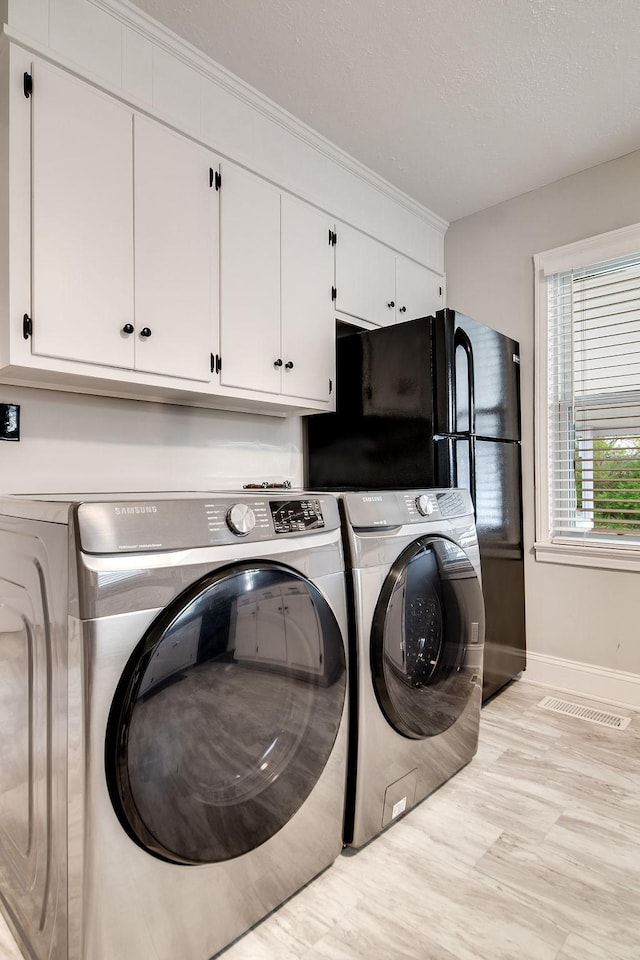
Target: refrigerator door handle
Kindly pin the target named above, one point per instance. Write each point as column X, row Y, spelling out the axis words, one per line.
column 472, row 473
column 462, row 340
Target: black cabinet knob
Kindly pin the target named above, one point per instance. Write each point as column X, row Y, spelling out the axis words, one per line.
column 403, row 309
column 277, row 363
column 145, row 332
column 128, row 328
column 289, row 365
column 391, row 304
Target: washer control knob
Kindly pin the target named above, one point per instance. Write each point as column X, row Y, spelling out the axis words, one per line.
column 425, row 505
column 241, row 519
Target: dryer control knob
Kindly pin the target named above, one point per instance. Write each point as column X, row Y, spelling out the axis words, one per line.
column 425, row 505
column 241, row 519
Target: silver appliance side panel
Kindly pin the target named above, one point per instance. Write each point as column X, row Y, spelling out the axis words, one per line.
column 33, row 791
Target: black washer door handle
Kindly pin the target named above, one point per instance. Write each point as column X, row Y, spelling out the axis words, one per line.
column 128, row 328
column 145, row 332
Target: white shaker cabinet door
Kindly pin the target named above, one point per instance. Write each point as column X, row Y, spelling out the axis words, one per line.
column 176, row 253
column 365, row 277
column 82, row 222
column 308, row 336
column 418, row 290
column 249, row 282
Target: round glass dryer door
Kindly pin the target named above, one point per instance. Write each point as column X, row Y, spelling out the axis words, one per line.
column 226, row 714
column 427, row 637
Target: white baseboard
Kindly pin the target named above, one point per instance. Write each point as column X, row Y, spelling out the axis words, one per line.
column 597, row 683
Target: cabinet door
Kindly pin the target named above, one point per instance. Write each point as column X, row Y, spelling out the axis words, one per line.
column 246, row 630
column 365, row 277
column 304, row 635
column 271, row 639
column 249, row 281
column 418, row 290
column 82, row 221
column 176, row 256
column 308, row 336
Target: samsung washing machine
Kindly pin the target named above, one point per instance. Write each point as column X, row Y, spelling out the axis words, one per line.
column 417, row 644
column 173, row 725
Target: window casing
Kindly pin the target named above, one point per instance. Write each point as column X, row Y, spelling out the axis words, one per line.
column 588, row 402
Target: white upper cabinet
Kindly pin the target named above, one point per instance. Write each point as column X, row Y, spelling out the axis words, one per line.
column 130, row 270
column 82, row 221
column 124, row 240
column 308, row 337
column 276, row 273
column 419, row 291
column 249, row 281
column 176, row 253
column 365, row 277
column 378, row 285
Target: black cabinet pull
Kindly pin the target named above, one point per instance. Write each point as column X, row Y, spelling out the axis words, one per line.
column 277, row 363
column 128, row 328
column 145, row 332
column 289, row 365
column 391, row 304
column 403, row 309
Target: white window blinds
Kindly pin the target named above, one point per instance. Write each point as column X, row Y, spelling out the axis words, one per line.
column 594, row 401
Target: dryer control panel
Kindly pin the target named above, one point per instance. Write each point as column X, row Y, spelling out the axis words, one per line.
column 391, row 508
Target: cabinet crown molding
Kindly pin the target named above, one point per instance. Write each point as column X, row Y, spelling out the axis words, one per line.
column 153, row 31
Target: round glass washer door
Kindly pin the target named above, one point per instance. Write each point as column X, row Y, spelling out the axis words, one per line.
column 429, row 615
column 226, row 714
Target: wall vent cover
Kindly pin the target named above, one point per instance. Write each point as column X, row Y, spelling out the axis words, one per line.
column 605, row 719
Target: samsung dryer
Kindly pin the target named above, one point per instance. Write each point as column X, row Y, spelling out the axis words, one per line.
column 417, row 644
column 173, row 721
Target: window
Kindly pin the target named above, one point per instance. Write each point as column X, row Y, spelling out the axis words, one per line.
column 588, row 401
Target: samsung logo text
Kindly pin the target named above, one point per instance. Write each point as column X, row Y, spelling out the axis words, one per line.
column 121, row 511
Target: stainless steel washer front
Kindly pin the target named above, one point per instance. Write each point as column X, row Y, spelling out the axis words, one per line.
column 198, row 683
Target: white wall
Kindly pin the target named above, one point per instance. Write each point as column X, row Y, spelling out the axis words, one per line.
column 75, row 443
column 576, row 614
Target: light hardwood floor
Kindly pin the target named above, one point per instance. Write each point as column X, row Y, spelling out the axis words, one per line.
column 532, row 852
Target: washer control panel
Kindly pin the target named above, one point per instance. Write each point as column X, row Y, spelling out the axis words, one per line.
column 137, row 524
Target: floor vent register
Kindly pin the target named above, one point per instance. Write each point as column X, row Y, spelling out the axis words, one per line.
column 602, row 717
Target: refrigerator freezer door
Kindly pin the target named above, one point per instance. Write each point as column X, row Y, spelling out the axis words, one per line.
column 499, row 525
column 504, row 649
column 498, row 499
column 454, row 464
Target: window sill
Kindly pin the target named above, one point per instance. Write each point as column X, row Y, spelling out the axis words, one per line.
column 578, row 554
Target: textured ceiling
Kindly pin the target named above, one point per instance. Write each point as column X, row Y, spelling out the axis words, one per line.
column 460, row 103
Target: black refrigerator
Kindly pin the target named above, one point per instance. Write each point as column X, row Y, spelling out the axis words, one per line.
column 435, row 402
